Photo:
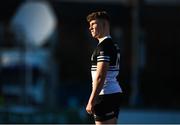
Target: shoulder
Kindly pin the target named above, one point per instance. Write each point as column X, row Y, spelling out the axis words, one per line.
column 106, row 47
column 107, row 43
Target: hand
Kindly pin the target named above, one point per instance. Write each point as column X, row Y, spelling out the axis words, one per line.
column 90, row 108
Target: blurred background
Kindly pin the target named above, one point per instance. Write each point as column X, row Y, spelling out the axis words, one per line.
column 45, row 50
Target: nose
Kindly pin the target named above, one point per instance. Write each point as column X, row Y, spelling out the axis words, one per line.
column 90, row 28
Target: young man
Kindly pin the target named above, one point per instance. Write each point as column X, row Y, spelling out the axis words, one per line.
column 105, row 98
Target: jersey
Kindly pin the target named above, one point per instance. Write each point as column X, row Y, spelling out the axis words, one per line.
column 107, row 51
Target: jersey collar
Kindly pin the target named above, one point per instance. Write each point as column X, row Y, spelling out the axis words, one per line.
column 103, row 38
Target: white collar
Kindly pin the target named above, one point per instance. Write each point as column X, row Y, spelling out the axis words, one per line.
column 103, row 38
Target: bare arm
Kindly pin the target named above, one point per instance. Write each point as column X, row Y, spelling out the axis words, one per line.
column 98, row 82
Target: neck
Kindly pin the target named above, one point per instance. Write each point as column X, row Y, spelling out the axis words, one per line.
column 104, row 35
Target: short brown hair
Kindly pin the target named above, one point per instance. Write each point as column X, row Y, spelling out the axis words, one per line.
column 98, row 15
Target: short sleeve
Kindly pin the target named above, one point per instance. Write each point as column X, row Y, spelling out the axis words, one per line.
column 103, row 54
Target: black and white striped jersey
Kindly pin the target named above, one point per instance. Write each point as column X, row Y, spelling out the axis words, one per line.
column 107, row 51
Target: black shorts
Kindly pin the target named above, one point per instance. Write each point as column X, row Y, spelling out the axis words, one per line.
column 107, row 106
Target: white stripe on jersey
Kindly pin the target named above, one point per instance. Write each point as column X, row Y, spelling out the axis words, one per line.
column 110, row 67
column 103, row 57
column 103, row 60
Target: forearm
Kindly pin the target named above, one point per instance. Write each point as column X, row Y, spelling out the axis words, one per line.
column 98, row 81
column 97, row 87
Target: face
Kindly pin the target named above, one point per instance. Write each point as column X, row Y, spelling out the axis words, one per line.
column 95, row 28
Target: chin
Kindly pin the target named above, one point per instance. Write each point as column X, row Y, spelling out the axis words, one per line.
column 93, row 36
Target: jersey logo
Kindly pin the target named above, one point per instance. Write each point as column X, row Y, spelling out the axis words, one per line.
column 101, row 53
